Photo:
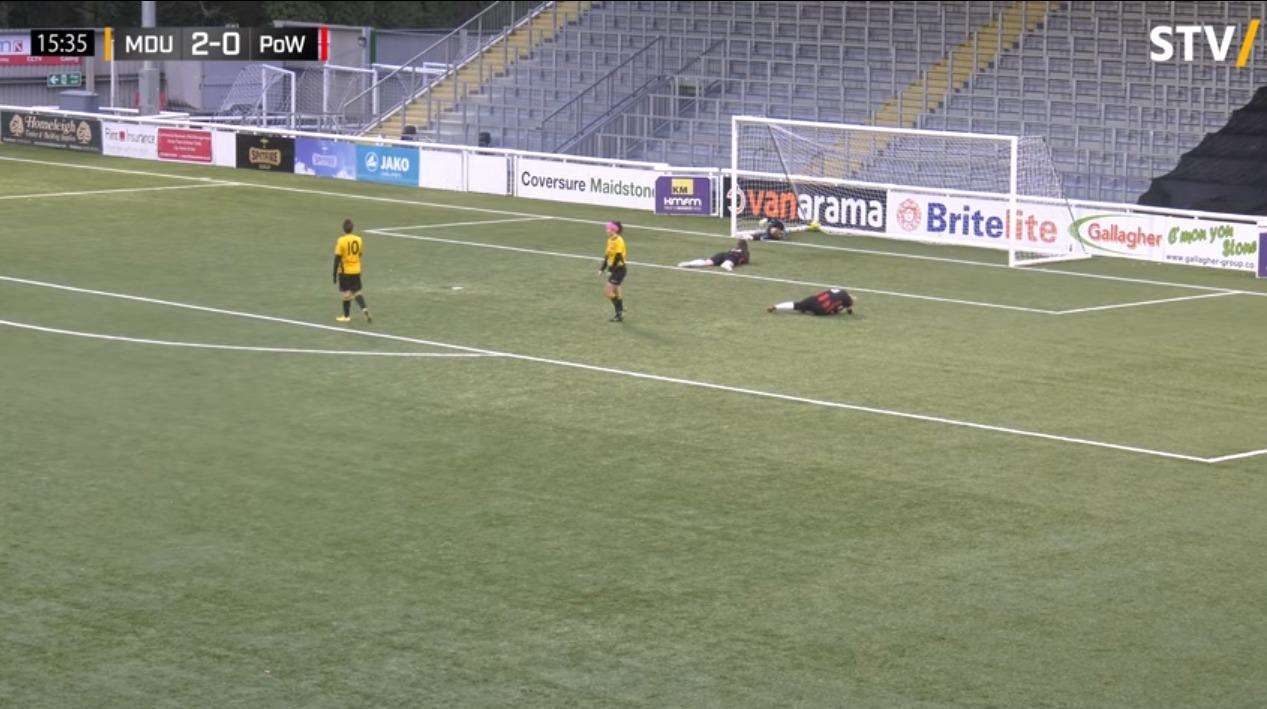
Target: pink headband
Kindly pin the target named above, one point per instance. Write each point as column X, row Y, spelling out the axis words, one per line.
column 613, row 225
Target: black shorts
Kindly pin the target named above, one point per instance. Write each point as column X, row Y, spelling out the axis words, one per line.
column 808, row 305
column 349, row 283
column 719, row 259
column 617, row 276
column 813, row 307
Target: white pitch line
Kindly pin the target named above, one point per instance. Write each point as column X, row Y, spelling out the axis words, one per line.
column 1236, row 456
column 711, row 235
column 1143, row 281
column 770, row 279
column 117, row 191
column 1216, row 292
column 119, row 170
column 478, row 223
column 1118, row 306
column 232, row 348
column 629, row 373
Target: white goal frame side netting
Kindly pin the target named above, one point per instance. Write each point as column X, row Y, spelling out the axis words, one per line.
column 930, row 186
column 261, row 94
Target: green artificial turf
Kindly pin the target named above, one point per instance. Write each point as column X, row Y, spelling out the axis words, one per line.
column 198, row 527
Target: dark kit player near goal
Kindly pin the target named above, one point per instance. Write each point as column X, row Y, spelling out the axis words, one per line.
column 771, row 230
column 828, row 302
column 727, row 260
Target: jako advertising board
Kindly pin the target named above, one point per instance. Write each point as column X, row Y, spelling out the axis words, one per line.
column 585, row 184
column 683, row 195
column 325, row 158
column 129, row 140
column 392, row 166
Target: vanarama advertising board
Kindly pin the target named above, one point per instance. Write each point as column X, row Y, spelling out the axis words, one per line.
column 585, row 183
column 849, row 208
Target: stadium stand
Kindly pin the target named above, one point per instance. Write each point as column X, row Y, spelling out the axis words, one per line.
column 1114, row 118
column 447, row 97
column 1227, row 172
column 659, row 81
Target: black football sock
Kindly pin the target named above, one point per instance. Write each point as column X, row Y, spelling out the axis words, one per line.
column 360, row 300
column 347, row 308
column 620, row 305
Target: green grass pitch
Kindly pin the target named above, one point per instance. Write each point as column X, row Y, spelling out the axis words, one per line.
column 756, row 523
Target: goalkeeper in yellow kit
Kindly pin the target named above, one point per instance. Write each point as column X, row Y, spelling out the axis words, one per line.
column 615, row 260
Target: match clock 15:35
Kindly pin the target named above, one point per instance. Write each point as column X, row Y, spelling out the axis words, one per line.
column 63, row 43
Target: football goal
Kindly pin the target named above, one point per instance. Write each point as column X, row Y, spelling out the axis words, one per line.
column 967, row 189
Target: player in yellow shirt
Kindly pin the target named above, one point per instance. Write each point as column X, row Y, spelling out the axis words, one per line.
column 614, row 262
column 348, row 251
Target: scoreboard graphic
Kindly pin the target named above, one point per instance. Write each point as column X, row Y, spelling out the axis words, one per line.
column 277, row 44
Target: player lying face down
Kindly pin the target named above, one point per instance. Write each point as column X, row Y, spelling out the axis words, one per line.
column 727, row 260
column 771, row 230
column 828, row 302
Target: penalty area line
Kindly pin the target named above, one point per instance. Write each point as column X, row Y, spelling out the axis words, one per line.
column 475, row 223
column 1237, row 456
column 120, row 190
column 927, row 418
column 747, row 276
column 575, row 220
column 1119, row 306
column 234, row 348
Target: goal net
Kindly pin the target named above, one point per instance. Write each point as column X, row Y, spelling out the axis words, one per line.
column 993, row 191
column 262, row 95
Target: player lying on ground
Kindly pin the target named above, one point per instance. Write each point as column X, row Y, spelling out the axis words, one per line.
column 771, row 230
column 737, row 256
column 828, row 302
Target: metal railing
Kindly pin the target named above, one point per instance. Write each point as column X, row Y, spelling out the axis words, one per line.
column 655, row 119
column 606, row 93
column 465, row 43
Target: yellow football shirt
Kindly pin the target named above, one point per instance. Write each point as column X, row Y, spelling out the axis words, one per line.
column 349, row 248
column 616, row 254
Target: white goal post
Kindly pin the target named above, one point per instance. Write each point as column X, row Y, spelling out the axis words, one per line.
column 930, row 186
